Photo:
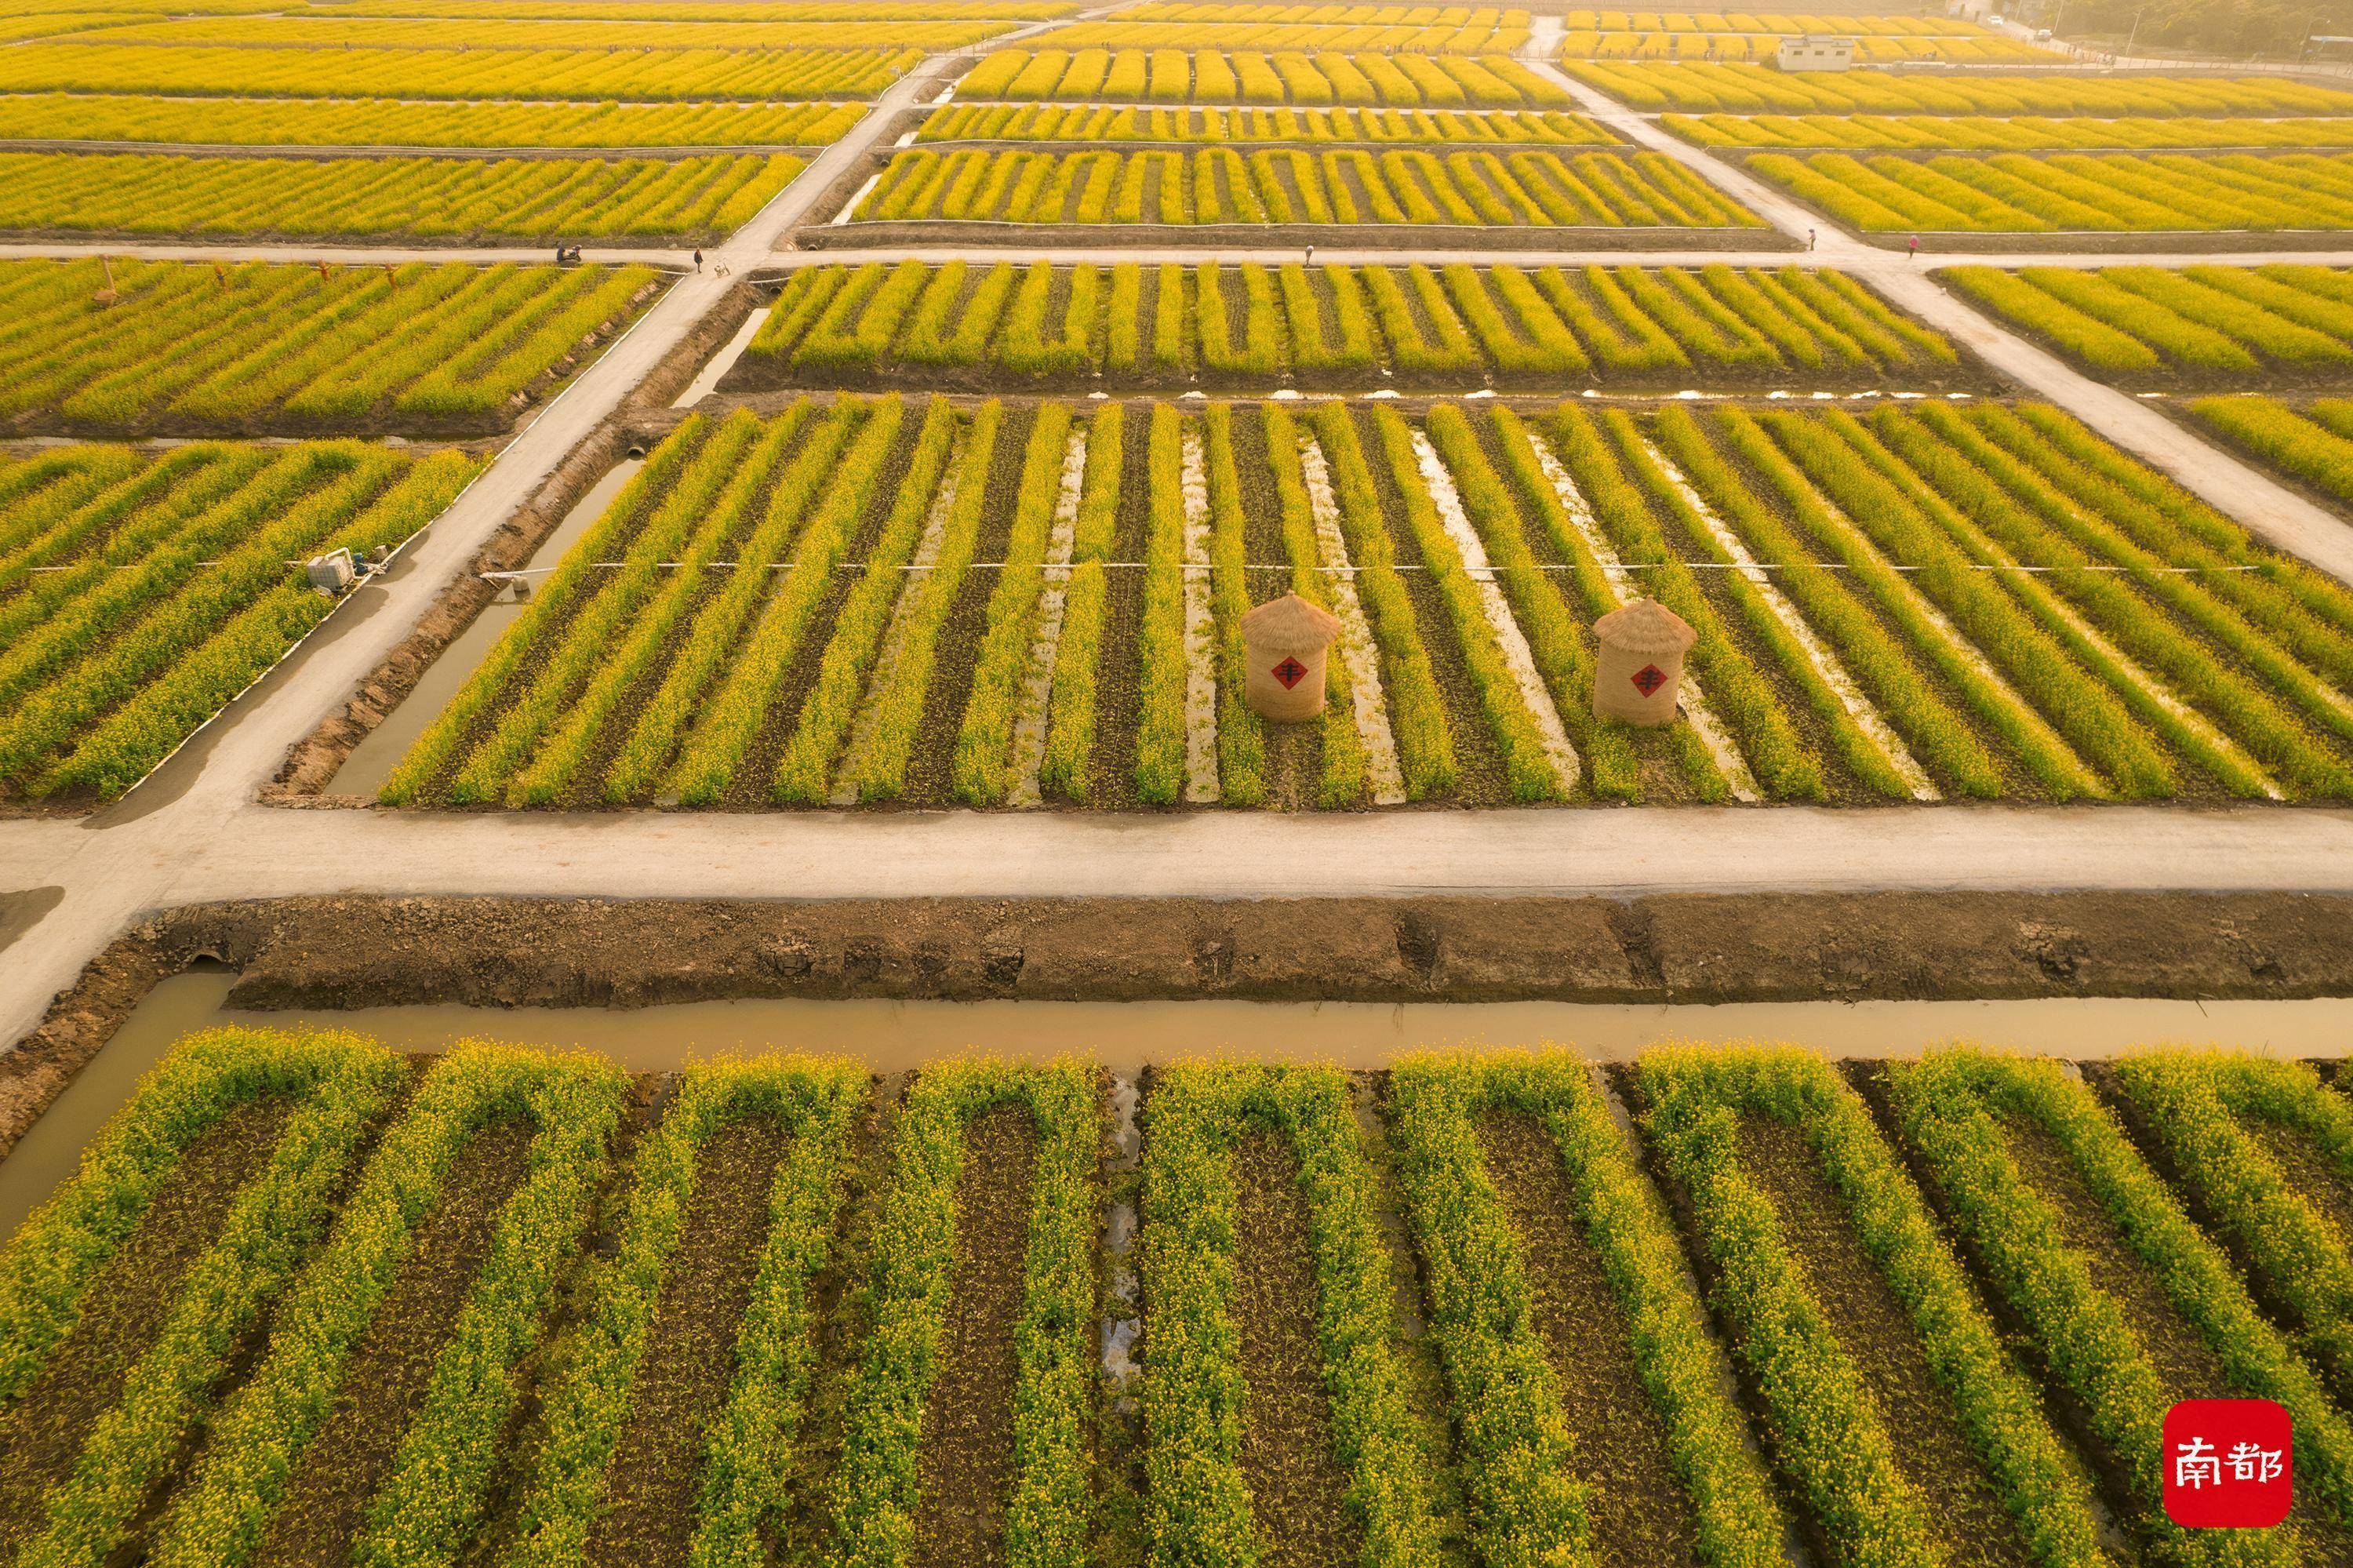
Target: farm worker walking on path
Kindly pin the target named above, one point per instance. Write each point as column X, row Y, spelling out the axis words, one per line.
column 1311, row 256
column 1913, row 250
column 698, row 260
column 1810, row 239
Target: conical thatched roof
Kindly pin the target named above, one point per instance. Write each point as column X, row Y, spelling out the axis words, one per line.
column 1645, row 626
column 1291, row 624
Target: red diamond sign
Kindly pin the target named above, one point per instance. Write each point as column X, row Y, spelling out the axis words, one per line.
column 1649, row 679
column 1290, row 672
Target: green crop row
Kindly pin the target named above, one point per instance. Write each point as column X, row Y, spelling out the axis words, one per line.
column 716, row 746
column 1986, row 591
column 1195, row 1400
column 2218, row 1117
column 2016, row 193
column 1073, row 717
column 1709, row 48
column 1524, row 1470
column 685, row 10
column 372, row 122
column 1217, row 186
column 1503, row 322
column 1896, row 26
column 589, row 76
column 433, row 1494
column 447, row 199
column 2219, row 322
column 2314, row 444
column 139, row 610
column 2005, row 1141
column 314, row 29
column 1489, row 32
column 811, row 1104
column 335, row 1086
column 1102, row 123
column 1853, row 1241
column 1828, row 1429
column 876, row 1497
column 287, row 345
column 978, row 768
column 1160, row 633
column 1179, row 75
column 2021, row 134
column 1756, row 89
column 806, row 766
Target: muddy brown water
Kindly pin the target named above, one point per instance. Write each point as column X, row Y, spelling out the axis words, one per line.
column 895, row 1036
column 372, row 760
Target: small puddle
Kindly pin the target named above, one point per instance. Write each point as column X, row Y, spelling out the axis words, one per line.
column 372, row 760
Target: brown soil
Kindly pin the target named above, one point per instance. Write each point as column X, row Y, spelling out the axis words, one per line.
column 1871, row 1325
column 1640, row 1513
column 1297, row 1490
column 965, row 1461
column 384, row 1382
column 650, row 1515
column 125, row 1305
column 1406, row 238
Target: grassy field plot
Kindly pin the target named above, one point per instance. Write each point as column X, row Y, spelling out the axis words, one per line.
column 140, row 593
column 688, row 10
column 2018, row 192
column 2007, row 134
column 372, row 1431
column 1247, row 76
column 1923, row 602
column 1755, row 88
column 2263, row 1154
column 968, row 1427
column 375, row 122
column 1253, row 327
column 319, row 30
column 1493, row 32
column 688, row 1383
column 1588, row 44
column 1861, row 27
column 2312, row 443
column 449, row 200
column 1534, row 189
column 259, row 348
column 1098, row 123
column 1589, row 1398
column 1896, row 1413
column 2126, row 1304
column 128, row 1295
column 2162, row 327
column 203, row 70
column 1277, row 1419
column 310, row 1301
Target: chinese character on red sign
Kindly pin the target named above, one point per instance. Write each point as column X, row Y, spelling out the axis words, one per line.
column 1290, row 673
column 2229, row 1463
column 1649, row 679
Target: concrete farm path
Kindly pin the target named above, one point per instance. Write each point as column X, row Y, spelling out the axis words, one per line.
column 196, row 832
